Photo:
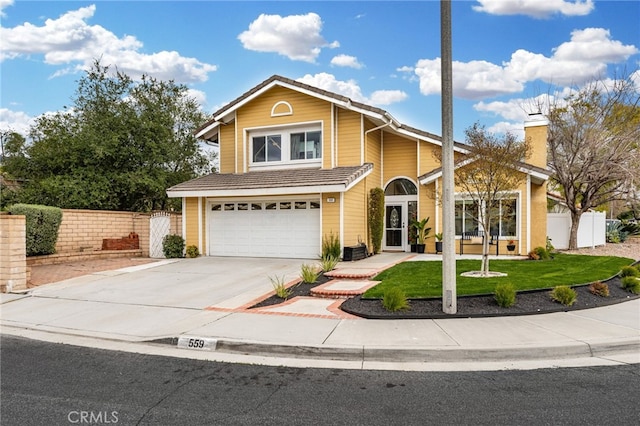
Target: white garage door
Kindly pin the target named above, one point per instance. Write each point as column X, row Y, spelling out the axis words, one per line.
column 282, row 228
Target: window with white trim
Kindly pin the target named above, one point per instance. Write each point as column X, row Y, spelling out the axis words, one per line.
column 294, row 145
column 504, row 217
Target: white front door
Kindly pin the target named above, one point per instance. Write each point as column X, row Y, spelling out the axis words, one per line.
column 395, row 226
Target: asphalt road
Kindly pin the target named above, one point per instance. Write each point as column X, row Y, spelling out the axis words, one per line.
column 52, row 384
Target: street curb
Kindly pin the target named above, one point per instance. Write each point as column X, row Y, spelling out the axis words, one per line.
column 450, row 354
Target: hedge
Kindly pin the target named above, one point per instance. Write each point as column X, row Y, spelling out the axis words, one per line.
column 42, row 225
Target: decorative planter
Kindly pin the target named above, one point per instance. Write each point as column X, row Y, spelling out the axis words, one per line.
column 511, row 247
column 420, row 248
column 438, row 247
column 414, row 248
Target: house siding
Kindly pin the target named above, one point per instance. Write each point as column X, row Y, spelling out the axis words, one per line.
column 400, row 156
column 258, row 114
column 227, row 154
column 355, row 215
column 191, row 221
column 330, row 215
column 349, row 133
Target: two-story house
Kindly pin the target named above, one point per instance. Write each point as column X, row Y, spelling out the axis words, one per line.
column 297, row 164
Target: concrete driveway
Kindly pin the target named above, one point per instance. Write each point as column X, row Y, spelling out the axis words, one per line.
column 185, row 283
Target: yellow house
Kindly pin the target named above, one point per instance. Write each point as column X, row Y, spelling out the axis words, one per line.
column 297, row 164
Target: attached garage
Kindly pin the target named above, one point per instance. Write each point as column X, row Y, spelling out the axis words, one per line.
column 270, row 213
column 270, row 228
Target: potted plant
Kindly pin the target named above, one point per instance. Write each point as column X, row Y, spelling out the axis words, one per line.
column 438, row 237
column 412, row 241
column 511, row 245
column 422, row 233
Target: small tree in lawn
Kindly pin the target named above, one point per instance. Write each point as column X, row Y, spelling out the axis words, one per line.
column 594, row 151
column 491, row 168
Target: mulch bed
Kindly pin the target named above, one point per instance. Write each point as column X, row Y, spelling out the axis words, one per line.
column 300, row 289
column 527, row 303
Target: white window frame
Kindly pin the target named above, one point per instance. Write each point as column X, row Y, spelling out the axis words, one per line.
column 503, row 196
column 285, row 133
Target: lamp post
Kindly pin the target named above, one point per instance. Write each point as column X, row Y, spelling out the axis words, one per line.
column 449, row 298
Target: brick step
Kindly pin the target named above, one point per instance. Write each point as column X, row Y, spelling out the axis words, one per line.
column 342, row 288
column 351, row 274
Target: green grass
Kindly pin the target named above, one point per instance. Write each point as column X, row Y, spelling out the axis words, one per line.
column 424, row 279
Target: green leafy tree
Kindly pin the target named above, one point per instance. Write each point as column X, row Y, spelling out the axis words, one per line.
column 119, row 146
column 491, row 168
column 593, row 146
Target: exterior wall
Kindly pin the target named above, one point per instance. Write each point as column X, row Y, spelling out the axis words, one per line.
column 538, row 216
column 13, row 253
column 349, row 131
column 536, row 133
column 190, row 213
column 258, row 114
column 355, row 215
column 400, row 156
column 227, row 154
column 330, row 215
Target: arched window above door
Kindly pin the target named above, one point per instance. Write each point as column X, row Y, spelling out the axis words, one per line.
column 401, row 186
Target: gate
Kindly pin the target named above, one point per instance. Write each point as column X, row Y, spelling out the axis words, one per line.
column 159, row 227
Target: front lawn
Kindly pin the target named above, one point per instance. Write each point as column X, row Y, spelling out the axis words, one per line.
column 423, row 279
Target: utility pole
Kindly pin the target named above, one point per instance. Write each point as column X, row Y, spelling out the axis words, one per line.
column 449, row 298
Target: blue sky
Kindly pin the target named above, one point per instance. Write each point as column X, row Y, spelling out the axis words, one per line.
column 384, row 53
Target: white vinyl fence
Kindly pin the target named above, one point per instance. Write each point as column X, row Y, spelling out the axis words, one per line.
column 591, row 232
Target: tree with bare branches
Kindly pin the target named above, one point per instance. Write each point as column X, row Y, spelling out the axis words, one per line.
column 493, row 167
column 593, row 142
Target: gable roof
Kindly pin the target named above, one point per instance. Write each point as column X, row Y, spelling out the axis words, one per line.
column 538, row 175
column 378, row 115
column 272, row 182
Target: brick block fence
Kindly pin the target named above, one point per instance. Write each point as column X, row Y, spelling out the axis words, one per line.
column 13, row 253
column 80, row 237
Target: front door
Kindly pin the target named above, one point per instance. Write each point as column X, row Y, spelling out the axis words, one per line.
column 395, row 228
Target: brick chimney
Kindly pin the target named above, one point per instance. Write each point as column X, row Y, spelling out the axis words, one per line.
column 535, row 130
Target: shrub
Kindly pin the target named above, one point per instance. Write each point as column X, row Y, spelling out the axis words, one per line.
column 629, row 271
column 309, row 273
column 279, row 286
column 394, row 299
column 192, row 251
column 331, row 246
column 376, row 218
column 329, row 263
column 42, row 225
column 173, row 246
column 599, row 289
column 505, row 295
column 631, row 284
column 564, row 294
column 539, row 253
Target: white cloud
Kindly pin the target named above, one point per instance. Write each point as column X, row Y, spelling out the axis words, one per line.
column 199, row 96
column 16, row 121
column 296, row 36
column 352, row 90
column 471, row 80
column 346, row 61
column 581, row 59
column 504, row 127
column 535, row 8
column 387, row 97
column 328, row 82
column 70, row 40
column 4, row 4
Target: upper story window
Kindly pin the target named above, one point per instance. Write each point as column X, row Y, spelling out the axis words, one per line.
column 286, row 146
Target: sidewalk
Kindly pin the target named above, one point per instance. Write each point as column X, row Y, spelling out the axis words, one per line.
column 114, row 309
